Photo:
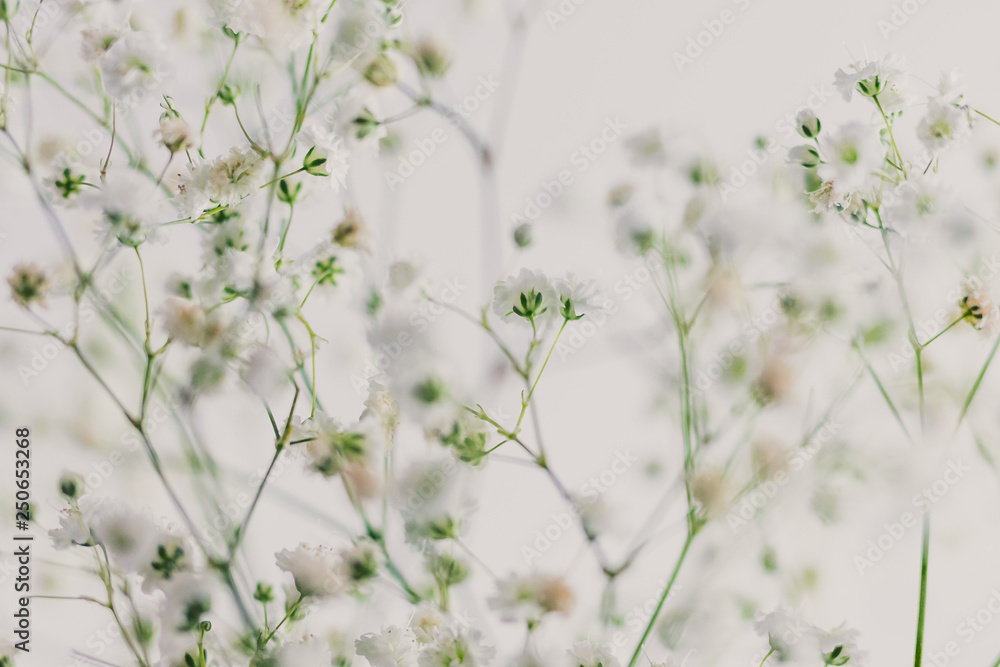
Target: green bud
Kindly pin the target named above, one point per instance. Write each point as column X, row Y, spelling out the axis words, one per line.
column 288, row 194
column 71, row 485
column 522, row 235
column 227, row 94
column 381, row 71
column 807, row 124
column 804, row 155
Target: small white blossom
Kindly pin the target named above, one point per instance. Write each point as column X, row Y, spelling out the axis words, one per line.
column 326, row 156
column 457, row 647
column 525, row 298
column 393, row 647
column 851, row 155
column 133, row 66
column 317, row 571
column 589, row 654
column 942, row 125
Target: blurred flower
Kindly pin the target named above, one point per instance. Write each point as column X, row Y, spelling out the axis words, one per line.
column 393, row 647
column 589, row 654
column 28, row 285
column 317, row 571
column 527, row 298
column 526, row 599
column 325, row 156
column 133, row 66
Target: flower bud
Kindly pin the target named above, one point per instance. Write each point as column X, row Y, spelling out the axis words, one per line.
column 807, row 124
column 522, row 235
column 431, row 58
column 381, row 71
column 804, row 155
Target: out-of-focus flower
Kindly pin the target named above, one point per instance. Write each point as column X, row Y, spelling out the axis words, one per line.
column 175, row 134
column 851, row 155
column 129, row 207
column 326, row 156
column 528, row 598
column 978, row 307
column 318, row 571
column 133, row 66
column 28, row 285
column 393, row 647
column 457, row 646
column 527, row 298
column 882, row 77
column 589, row 654
column 942, row 125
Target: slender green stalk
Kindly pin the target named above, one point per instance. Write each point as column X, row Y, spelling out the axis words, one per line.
column 766, row 657
column 979, row 380
column 663, row 600
column 924, row 558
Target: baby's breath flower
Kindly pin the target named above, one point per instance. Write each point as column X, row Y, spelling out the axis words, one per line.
column 128, row 203
column 528, row 298
column 851, row 155
column 176, row 135
column 28, row 285
column 232, row 177
column 431, row 57
column 457, row 646
column 96, row 40
column 526, row 599
column 883, row 77
column 326, row 156
column 351, row 232
column 942, row 125
column 317, row 571
column 589, row 654
column 380, row 71
column 576, row 298
column 393, row 647
column 978, row 307
column 132, row 66
column 307, row 653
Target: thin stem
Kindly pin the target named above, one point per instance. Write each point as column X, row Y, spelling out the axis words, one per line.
column 766, row 657
column 663, row 600
column 888, row 126
column 979, row 380
column 924, row 558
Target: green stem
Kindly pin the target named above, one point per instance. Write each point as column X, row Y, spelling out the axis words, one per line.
column 924, row 558
column 979, row 380
column 766, row 657
column 888, row 126
column 663, row 600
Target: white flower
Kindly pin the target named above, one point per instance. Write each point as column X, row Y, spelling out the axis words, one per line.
column 132, row 66
column 455, row 647
column 326, row 155
column 96, row 40
column 883, row 77
column 285, row 24
column 526, row 298
column 129, row 205
column 175, row 134
column 308, row 653
column 978, row 306
column 432, row 500
column 788, row 633
column 234, row 176
column 589, row 654
column 393, row 647
column 187, row 598
column 920, row 199
column 851, row 154
column 317, row 571
column 528, row 598
column 951, row 89
column 841, row 643
column 427, row 621
column 129, row 537
column 827, row 198
column 73, row 527
column 577, row 298
column 942, row 125
column 183, row 320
